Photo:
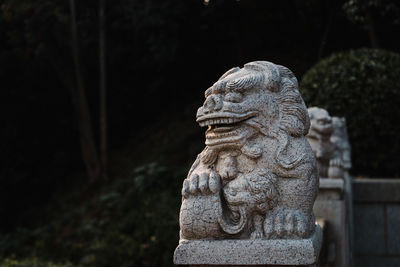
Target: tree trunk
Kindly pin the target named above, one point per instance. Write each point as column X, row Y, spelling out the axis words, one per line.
column 373, row 36
column 88, row 147
column 328, row 26
column 102, row 82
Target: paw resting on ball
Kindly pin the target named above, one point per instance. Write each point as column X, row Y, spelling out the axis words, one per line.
column 201, row 183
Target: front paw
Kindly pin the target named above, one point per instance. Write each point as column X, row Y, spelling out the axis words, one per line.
column 286, row 224
column 257, row 234
column 201, row 183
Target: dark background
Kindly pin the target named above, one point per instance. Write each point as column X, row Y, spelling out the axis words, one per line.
column 161, row 56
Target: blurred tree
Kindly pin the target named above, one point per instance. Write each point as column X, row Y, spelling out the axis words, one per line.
column 363, row 86
column 89, row 151
column 102, row 82
column 372, row 15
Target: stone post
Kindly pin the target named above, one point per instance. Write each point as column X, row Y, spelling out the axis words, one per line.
column 248, row 198
column 329, row 141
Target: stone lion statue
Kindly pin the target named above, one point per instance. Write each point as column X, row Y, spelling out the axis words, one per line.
column 341, row 141
column 329, row 141
column 257, row 176
column 319, row 137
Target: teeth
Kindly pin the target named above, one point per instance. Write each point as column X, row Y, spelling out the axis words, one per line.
column 219, row 121
column 223, row 135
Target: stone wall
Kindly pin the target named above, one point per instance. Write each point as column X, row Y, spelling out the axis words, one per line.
column 376, row 222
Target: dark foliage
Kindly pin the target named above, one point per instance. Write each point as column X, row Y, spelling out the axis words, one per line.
column 362, row 85
column 132, row 221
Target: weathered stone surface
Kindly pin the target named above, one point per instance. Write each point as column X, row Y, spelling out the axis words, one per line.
column 377, row 220
column 331, row 183
column 329, row 141
column 333, row 212
column 257, row 176
column 369, row 231
column 376, row 190
column 377, row 261
column 255, row 183
column 393, row 228
column 250, row 252
column 330, row 189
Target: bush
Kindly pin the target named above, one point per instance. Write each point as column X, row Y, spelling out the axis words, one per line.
column 11, row 262
column 362, row 85
column 129, row 221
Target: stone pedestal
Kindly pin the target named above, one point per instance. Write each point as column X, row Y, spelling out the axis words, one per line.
column 332, row 204
column 231, row 252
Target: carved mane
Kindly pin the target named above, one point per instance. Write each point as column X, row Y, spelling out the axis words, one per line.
column 293, row 119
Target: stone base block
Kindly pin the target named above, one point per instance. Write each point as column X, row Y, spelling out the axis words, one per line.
column 331, row 183
column 276, row 252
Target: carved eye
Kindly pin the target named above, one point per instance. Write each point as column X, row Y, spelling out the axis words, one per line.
column 324, row 121
column 233, row 97
column 233, row 192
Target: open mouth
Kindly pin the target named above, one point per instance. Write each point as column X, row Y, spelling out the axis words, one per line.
column 223, row 120
column 224, row 125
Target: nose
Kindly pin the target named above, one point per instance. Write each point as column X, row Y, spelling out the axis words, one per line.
column 212, row 103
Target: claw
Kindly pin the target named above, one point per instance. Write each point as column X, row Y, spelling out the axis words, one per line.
column 268, row 226
column 214, row 182
column 185, row 188
column 301, row 226
column 279, row 228
column 194, row 184
column 203, row 183
column 289, row 223
column 256, row 235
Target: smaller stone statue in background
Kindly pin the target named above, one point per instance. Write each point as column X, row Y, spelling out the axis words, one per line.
column 319, row 137
column 329, row 142
column 341, row 142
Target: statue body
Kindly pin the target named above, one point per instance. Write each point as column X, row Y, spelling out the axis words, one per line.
column 257, row 176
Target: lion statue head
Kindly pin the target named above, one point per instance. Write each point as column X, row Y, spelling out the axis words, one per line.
column 260, row 98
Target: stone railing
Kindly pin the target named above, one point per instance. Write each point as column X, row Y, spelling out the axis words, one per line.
column 376, row 222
